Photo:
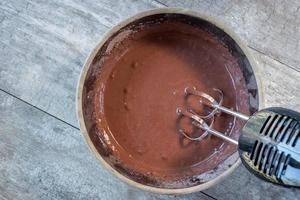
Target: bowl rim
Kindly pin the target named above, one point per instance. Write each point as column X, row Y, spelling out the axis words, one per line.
column 170, row 10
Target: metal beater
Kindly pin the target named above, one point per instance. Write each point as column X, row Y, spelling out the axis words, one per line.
column 268, row 144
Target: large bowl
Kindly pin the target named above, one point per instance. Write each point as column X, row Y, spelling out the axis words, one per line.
column 251, row 71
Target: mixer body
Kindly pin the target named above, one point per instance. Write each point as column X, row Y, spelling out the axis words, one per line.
column 269, row 146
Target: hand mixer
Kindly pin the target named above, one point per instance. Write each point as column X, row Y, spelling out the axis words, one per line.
column 268, row 145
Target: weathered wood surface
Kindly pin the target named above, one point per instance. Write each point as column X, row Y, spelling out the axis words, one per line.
column 42, row 48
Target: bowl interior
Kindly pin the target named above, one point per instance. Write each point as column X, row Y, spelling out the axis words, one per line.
column 135, row 82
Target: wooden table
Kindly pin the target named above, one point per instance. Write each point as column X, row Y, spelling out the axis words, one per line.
column 42, row 49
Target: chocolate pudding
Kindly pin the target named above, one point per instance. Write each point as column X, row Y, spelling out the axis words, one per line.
column 137, row 81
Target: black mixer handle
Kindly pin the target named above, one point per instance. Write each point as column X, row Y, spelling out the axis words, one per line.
column 269, row 146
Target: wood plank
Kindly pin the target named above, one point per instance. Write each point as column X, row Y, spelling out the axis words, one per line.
column 272, row 27
column 43, row 158
column 281, row 85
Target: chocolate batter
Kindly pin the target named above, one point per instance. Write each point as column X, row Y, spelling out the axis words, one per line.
column 136, row 84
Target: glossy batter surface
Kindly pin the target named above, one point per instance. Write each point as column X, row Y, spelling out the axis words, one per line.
column 135, row 97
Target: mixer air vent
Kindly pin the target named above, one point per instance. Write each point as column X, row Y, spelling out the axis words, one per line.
column 281, row 129
column 268, row 159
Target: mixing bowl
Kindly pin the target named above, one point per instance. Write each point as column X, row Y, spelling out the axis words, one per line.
column 131, row 83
